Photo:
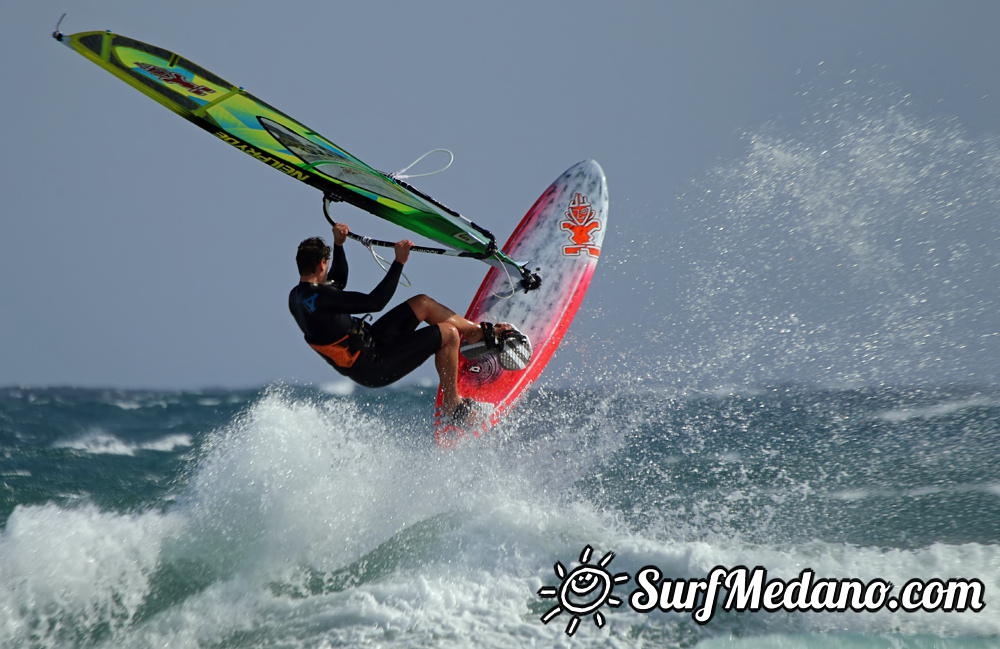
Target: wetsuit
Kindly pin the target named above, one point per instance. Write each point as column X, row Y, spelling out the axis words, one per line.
column 372, row 355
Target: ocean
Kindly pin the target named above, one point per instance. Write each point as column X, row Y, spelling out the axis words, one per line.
column 845, row 264
column 296, row 516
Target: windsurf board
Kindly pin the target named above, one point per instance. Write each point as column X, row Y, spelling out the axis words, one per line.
column 561, row 235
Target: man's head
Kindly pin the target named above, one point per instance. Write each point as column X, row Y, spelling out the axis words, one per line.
column 311, row 252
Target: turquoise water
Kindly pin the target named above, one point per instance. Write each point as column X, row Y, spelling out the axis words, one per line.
column 294, row 517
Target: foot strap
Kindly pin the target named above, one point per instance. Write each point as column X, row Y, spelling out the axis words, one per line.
column 489, row 335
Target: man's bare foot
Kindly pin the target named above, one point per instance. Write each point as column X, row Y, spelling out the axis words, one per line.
column 477, row 334
column 448, row 407
column 467, row 413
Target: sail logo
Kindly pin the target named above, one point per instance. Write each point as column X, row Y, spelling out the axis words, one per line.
column 175, row 78
column 582, row 224
column 263, row 157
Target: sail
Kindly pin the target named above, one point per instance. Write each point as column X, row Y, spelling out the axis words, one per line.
column 245, row 122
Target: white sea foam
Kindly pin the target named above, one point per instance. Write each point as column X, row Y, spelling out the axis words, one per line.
column 99, row 442
column 166, row 444
column 137, row 402
column 930, row 490
column 937, row 410
column 338, row 388
column 67, row 573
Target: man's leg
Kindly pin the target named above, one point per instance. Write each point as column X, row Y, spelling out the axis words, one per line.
column 434, row 313
column 446, row 363
column 454, row 328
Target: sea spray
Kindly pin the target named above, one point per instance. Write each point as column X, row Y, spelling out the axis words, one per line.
column 851, row 243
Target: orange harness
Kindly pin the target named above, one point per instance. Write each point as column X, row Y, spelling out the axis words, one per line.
column 339, row 352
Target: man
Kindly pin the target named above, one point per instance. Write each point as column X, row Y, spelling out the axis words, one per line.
column 383, row 352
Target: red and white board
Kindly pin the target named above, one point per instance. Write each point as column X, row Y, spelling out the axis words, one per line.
column 561, row 236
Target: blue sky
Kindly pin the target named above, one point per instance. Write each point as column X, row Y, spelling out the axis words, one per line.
column 137, row 251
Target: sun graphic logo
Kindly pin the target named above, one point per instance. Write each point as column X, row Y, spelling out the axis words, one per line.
column 583, row 591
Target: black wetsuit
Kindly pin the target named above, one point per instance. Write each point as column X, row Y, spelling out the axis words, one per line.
column 371, row 355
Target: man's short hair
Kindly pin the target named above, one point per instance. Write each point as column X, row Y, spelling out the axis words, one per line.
column 311, row 251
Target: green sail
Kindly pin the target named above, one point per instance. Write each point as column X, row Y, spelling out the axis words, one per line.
column 265, row 133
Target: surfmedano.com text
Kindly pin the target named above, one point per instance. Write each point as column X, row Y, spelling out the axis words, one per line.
column 749, row 590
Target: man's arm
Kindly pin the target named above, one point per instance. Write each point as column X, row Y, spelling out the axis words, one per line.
column 378, row 299
column 355, row 302
column 337, row 275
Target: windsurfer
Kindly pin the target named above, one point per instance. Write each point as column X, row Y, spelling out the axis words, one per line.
column 377, row 354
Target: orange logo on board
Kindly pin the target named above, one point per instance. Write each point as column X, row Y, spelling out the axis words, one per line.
column 582, row 223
